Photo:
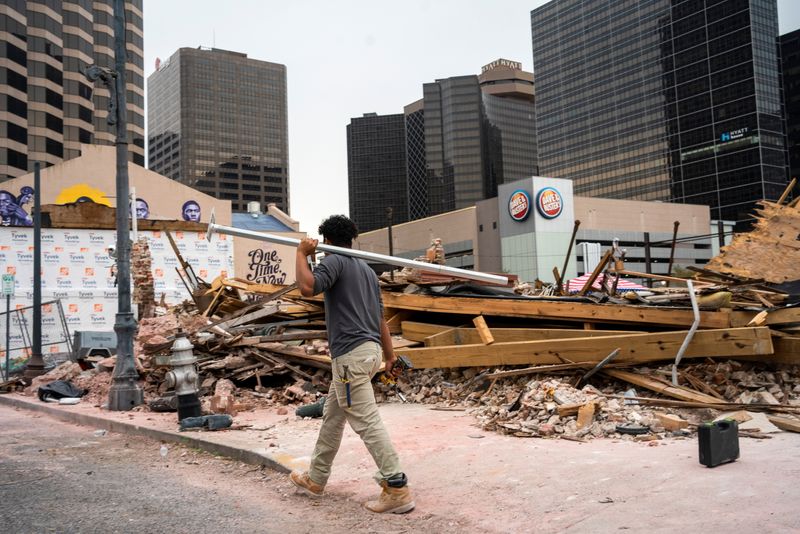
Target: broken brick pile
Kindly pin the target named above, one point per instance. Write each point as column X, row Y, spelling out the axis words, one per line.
column 144, row 293
column 543, row 405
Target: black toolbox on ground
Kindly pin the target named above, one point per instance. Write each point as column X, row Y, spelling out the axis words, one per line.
column 719, row 442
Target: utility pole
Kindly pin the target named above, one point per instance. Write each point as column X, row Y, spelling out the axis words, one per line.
column 35, row 366
column 125, row 392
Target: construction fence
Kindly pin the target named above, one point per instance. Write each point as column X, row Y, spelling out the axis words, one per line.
column 16, row 336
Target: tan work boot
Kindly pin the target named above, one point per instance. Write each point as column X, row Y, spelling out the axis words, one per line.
column 392, row 501
column 304, row 483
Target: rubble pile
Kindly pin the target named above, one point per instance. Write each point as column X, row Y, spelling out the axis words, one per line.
column 144, row 293
column 544, row 405
column 526, row 359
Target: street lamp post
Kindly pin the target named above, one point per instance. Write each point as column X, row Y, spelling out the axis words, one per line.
column 36, row 364
column 125, row 392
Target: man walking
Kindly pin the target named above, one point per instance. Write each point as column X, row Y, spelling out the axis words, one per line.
column 356, row 334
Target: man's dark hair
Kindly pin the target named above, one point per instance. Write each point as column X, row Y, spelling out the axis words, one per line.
column 339, row 230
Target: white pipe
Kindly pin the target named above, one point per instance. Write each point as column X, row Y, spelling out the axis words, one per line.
column 689, row 335
column 362, row 254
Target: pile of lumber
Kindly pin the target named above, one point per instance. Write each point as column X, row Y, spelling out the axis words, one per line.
column 259, row 342
column 506, row 356
column 539, row 364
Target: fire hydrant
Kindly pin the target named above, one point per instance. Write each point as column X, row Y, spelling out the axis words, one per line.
column 183, row 377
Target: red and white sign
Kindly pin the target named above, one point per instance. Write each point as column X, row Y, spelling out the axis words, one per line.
column 549, row 203
column 519, row 205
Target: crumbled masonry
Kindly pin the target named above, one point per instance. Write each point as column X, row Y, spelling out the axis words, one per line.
column 511, row 357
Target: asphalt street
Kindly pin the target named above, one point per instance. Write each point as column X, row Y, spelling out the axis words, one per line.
column 64, row 478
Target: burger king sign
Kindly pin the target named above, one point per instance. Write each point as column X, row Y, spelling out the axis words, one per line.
column 549, row 203
column 519, row 205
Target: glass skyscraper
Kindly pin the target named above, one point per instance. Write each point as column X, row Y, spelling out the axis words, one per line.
column 469, row 134
column 790, row 61
column 218, row 122
column 463, row 138
column 47, row 106
column 674, row 100
column 376, row 170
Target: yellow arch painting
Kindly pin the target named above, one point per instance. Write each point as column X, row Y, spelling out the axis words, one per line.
column 71, row 194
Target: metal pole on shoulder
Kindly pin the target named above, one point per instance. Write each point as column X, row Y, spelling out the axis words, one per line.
column 362, row 254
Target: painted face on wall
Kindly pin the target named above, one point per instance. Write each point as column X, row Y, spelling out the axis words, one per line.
column 191, row 211
column 142, row 209
column 8, row 204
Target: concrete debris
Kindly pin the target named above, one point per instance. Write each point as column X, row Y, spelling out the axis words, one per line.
column 510, row 356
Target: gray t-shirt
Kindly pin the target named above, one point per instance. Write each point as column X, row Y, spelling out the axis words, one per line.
column 353, row 307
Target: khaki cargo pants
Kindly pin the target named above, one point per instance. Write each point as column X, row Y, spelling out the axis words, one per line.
column 362, row 364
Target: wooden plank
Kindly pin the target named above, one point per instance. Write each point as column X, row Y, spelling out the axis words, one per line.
column 399, row 343
column 783, row 316
column 635, row 348
column 217, row 295
column 559, row 281
column 566, row 410
column 539, row 369
column 775, row 317
column 585, row 415
column 271, row 358
column 701, row 386
column 470, row 336
column 263, row 289
column 727, row 406
column 297, row 355
column 784, row 423
column 596, row 272
column 483, row 330
column 416, row 331
column 266, row 311
column 549, row 309
column 787, row 350
column 661, row 386
column 292, row 336
column 447, row 337
column 787, row 191
column 395, row 321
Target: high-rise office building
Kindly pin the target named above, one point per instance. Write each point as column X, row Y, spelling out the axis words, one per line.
column 376, row 170
column 466, row 136
column 47, row 106
column 218, row 122
column 790, row 61
column 662, row 100
column 479, row 132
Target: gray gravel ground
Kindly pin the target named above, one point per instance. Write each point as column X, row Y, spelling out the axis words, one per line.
column 63, row 478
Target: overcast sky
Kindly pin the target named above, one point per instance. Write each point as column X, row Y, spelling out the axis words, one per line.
column 345, row 58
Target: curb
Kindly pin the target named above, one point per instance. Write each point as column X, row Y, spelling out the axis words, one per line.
column 242, row 455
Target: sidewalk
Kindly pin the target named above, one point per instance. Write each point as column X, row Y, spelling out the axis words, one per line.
column 506, row 484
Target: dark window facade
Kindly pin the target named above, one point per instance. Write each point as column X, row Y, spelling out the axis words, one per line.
column 220, row 115
column 790, row 61
column 416, row 171
column 34, row 73
column 376, row 170
column 467, row 135
column 656, row 100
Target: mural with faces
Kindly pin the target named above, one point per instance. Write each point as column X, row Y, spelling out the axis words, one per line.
column 190, row 211
column 13, row 211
